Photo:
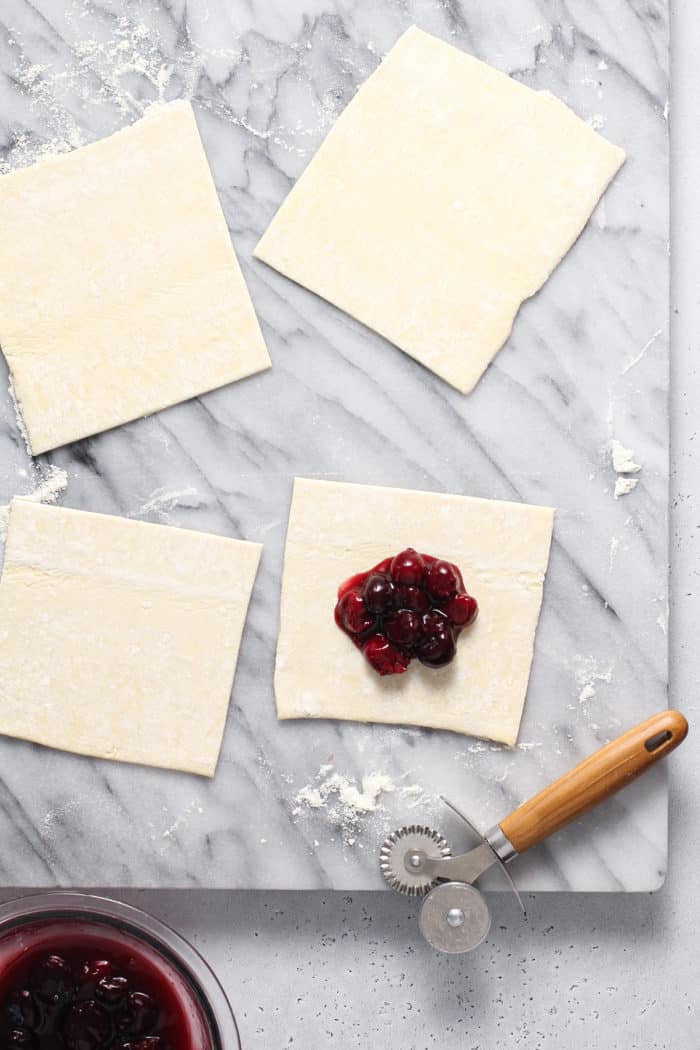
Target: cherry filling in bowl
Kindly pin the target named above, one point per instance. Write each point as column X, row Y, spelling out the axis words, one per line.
column 67, row 984
column 411, row 605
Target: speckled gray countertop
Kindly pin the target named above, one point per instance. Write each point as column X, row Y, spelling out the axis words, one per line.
column 602, row 971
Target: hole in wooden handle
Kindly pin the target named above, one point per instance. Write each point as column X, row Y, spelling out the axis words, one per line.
column 654, row 742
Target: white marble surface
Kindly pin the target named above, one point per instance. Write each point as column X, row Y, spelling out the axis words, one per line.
column 587, row 361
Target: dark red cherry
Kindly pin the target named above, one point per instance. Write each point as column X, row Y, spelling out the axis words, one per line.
column 383, row 567
column 352, row 613
column 443, row 580
column 86, row 1026
column 404, row 628
column 408, row 568
column 52, row 979
column 21, row 1010
column 462, row 610
column 434, row 620
column 384, row 657
column 139, row 1015
column 437, row 646
column 412, row 598
column 20, row 1037
column 94, row 969
column 111, row 990
column 379, row 594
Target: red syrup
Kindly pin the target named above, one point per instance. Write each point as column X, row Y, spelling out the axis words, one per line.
column 69, row 984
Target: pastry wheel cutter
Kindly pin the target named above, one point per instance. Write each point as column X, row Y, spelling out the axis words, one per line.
column 418, row 861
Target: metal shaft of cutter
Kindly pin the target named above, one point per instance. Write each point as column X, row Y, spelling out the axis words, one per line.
column 465, row 868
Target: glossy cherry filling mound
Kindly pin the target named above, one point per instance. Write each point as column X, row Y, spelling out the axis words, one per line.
column 409, row 605
column 79, row 990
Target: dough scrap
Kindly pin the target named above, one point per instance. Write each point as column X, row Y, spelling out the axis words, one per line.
column 120, row 291
column 337, row 530
column 443, row 197
column 119, row 638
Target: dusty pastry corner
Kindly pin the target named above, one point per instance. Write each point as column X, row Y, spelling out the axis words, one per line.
column 21, row 425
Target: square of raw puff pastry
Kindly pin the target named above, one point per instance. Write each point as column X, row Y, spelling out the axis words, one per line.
column 120, row 291
column 444, row 196
column 337, row 530
column 119, row 638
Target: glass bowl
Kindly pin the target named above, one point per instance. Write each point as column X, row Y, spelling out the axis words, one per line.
column 46, row 921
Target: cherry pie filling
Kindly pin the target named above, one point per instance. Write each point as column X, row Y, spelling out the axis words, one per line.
column 65, row 986
column 411, row 605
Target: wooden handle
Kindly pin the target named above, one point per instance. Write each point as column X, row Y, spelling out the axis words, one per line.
column 594, row 779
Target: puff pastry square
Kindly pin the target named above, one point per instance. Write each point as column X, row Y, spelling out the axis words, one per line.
column 119, row 638
column 120, row 292
column 337, row 530
column 445, row 195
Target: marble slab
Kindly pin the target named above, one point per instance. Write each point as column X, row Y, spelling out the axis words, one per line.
column 587, row 362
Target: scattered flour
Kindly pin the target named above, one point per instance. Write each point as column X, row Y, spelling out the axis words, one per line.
column 181, row 822
column 50, row 487
column 477, row 748
column 48, row 490
column 622, row 460
column 18, row 414
column 311, row 797
column 623, row 486
column 623, row 465
column 129, row 72
column 346, row 802
column 163, row 500
column 353, row 799
column 587, row 676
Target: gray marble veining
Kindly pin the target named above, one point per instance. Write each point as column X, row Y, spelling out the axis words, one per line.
column 587, row 361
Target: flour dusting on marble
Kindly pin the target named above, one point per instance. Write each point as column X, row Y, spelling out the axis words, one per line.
column 19, row 417
column 181, row 822
column 48, row 489
column 163, row 500
column 134, row 50
column 623, row 459
column 624, row 465
column 62, row 132
column 131, row 71
column 102, row 71
column 347, row 800
column 588, row 675
column 353, row 799
column 623, row 486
